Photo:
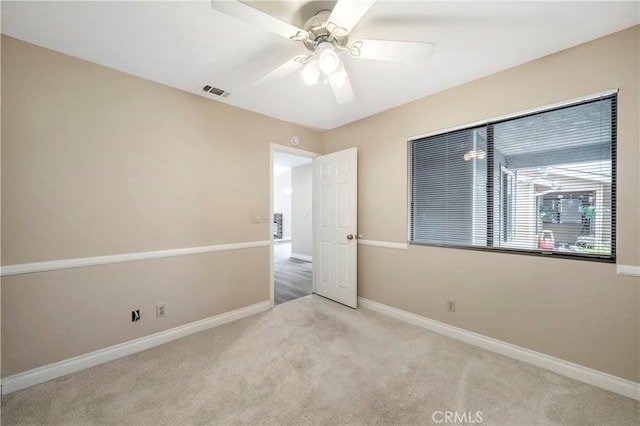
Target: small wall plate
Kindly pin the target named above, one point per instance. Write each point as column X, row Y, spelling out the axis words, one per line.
column 295, row 141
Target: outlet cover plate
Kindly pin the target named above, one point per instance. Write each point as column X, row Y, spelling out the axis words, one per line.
column 161, row 310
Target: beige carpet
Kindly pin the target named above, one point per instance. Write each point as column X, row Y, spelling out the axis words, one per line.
column 312, row 361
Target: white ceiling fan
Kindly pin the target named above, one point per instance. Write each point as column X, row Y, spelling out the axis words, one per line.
column 326, row 37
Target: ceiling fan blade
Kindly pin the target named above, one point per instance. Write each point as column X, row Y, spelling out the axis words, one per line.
column 346, row 14
column 389, row 50
column 342, row 91
column 282, row 71
column 255, row 17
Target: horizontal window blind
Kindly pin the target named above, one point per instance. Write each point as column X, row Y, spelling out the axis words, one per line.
column 449, row 188
column 539, row 183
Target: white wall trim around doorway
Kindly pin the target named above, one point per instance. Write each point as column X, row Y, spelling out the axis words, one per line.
column 274, row 147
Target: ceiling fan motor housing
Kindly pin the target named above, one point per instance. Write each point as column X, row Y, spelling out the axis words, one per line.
column 316, row 26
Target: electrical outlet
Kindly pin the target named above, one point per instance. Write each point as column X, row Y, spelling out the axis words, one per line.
column 161, row 310
column 451, row 305
column 135, row 315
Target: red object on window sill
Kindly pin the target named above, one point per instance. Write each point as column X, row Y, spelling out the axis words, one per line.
column 546, row 240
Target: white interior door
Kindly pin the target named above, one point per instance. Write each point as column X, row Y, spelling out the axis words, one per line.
column 335, row 256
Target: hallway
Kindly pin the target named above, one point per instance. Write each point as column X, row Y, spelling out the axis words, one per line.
column 292, row 277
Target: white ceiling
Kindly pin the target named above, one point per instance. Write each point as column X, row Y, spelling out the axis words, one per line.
column 188, row 44
column 284, row 161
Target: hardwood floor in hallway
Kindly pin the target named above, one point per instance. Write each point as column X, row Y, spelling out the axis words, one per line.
column 292, row 277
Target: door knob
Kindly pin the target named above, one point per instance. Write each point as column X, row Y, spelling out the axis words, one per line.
column 350, row 237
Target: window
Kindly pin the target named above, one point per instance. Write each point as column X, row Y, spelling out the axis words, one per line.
column 539, row 183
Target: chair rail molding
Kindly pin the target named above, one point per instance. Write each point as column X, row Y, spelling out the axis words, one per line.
column 633, row 271
column 52, row 265
column 384, row 244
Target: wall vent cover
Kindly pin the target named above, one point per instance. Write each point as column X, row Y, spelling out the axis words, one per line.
column 216, row 91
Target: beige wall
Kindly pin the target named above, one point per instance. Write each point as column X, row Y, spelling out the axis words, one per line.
column 578, row 311
column 98, row 162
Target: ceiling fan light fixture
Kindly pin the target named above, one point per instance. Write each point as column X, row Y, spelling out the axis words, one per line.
column 328, row 59
column 339, row 81
column 325, row 35
column 311, row 73
column 339, row 77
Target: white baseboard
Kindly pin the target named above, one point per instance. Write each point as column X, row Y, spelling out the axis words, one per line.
column 304, row 257
column 575, row 371
column 71, row 365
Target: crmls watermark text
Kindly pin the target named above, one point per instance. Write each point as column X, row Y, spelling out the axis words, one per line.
column 457, row 417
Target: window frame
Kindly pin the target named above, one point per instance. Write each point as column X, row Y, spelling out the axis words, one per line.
column 488, row 123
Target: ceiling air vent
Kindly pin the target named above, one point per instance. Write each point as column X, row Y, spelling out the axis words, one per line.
column 216, row 91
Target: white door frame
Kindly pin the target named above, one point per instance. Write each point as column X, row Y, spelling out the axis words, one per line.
column 281, row 148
